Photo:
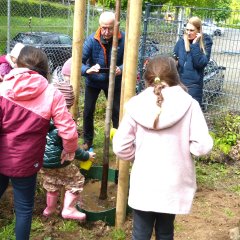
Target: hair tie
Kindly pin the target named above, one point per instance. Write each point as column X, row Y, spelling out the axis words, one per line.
column 157, row 80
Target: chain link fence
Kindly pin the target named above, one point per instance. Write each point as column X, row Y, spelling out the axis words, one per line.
column 161, row 27
column 38, row 20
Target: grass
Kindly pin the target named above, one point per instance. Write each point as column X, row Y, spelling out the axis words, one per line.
column 118, row 234
column 208, row 175
column 7, row 232
column 21, row 24
column 68, row 226
column 218, row 176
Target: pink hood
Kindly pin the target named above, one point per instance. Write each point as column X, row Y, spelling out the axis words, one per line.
column 143, row 109
column 27, row 84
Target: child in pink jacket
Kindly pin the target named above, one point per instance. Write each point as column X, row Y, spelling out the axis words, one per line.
column 7, row 62
column 161, row 128
column 27, row 103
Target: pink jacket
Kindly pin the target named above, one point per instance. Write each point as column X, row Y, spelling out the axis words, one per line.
column 27, row 103
column 163, row 173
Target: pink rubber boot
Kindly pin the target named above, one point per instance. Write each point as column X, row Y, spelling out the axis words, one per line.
column 69, row 210
column 51, row 199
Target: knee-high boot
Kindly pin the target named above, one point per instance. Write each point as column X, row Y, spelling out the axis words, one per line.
column 69, row 209
column 51, row 199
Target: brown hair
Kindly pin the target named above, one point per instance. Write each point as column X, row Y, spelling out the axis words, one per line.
column 161, row 71
column 34, row 59
column 197, row 23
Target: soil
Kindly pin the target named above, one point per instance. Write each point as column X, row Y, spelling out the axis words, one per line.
column 90, row 196
column 214, row 213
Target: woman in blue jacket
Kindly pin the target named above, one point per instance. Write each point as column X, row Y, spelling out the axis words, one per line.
column 192, row 53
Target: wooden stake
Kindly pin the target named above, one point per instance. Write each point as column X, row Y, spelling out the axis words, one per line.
column 78, row 38
column 135, row 13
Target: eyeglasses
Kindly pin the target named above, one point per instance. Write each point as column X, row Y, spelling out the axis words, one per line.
column 105, row 29
column 190, row 30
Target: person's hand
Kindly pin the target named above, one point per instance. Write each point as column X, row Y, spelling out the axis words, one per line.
column 118, row 71
column 197, row 38
column 67, row 156
column 92, row 156
column 94, row 69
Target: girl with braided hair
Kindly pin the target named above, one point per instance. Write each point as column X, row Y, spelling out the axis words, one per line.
column 161, row 128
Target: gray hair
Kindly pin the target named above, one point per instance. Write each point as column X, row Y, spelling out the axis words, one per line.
column 106, row 15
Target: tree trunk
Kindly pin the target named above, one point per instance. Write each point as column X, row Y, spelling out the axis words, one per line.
column 104, row 183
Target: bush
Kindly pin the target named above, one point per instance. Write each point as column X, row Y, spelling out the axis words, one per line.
column 226, row 137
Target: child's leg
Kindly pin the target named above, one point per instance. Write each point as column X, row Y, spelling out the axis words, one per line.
column 74, row 186
column 51, row 185
column 51, row 199
column 143, row 223
column 164, row 226
column 69, row 209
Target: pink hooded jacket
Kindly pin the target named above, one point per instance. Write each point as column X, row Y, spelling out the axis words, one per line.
column 27, row 103
column 163, row 173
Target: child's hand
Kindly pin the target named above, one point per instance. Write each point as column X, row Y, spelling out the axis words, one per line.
column 92, row 156
column 67, row 156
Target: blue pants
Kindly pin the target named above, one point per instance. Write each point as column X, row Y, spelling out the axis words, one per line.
column 24, row 191
column 91, row 96
column 144, row 222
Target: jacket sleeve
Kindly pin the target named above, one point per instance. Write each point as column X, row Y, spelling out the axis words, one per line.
column 124, row 138
column 87, row 51
column 4, row 69
column 201, row 142
column 63, row 121
column 200, row 59
column 82, row 155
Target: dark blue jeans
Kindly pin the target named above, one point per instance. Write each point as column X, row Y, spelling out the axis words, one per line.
column 91, row 96
column 24, row 191
column 144, row 222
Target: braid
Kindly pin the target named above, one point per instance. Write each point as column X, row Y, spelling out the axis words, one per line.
column 161, row 72
column 158, row 92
